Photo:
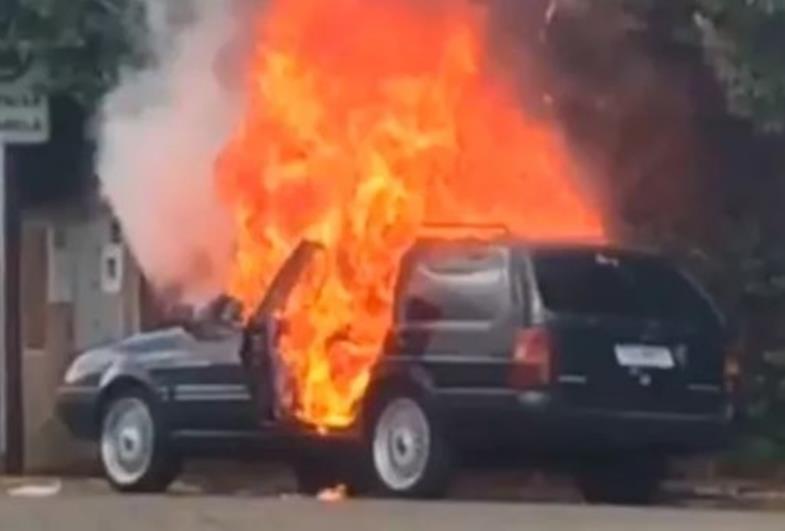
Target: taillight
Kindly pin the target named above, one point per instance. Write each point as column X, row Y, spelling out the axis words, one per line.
column 532, row 359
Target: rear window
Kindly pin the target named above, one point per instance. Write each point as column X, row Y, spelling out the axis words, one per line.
column 598, row 283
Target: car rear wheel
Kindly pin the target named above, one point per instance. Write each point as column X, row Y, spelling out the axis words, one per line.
column 407, row 453
column 133, row 445
column 633, row 480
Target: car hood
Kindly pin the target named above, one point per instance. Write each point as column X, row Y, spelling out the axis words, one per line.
column 164, row 347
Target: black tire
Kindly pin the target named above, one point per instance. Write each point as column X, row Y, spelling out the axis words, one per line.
column 138, row 459
column 430, row 478
column 630, row 480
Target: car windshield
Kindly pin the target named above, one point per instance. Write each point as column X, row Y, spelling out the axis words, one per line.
column 598, row 283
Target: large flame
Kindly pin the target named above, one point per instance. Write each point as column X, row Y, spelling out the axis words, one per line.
column 366, row 120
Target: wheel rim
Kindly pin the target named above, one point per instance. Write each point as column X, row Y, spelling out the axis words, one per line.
column 127, row 440
column 401, row 444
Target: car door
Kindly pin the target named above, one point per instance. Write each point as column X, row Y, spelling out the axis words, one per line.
column 258, row 350
column 208, row 388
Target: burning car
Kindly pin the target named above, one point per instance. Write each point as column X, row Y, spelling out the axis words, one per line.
column 603, row 360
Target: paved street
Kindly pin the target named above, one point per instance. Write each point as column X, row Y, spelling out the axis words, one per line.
column 194, row 513
column 236, row 497
column 257, row 496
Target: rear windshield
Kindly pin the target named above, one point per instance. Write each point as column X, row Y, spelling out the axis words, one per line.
column 597, row 283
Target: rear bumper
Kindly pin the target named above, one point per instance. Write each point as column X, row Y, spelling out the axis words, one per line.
column 538, row 422
column 76, row 407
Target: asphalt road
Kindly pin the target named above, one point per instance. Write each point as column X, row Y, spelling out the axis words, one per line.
column 236, row 497
column 196, row 513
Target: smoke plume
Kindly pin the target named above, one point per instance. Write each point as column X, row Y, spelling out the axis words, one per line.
column 160, row 131
column 623, row 104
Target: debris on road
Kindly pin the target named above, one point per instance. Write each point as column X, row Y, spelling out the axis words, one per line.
column 36, row 490
column 333, row 494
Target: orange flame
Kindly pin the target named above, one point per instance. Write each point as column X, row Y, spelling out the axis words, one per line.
column 332, row 494
column 365, row 121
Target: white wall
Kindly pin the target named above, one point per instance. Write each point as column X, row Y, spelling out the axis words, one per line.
column 76, row 245
column 98, row 316
column 79, row 313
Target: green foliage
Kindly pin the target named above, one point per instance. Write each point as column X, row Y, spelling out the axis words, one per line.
column 742, row 40
column 745, row 42
column 82, row 43
column 764, row 411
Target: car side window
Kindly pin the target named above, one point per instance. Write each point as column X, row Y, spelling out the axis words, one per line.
column 457, row 284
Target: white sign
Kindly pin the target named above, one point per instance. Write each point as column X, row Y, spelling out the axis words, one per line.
column 112, row 264
column 24, row 114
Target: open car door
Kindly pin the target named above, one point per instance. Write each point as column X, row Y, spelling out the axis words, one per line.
column 259, row 345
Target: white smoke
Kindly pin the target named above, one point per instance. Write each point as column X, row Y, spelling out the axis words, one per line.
column 160, row 131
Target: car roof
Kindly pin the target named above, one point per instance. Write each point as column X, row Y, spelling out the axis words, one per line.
column 530, row 246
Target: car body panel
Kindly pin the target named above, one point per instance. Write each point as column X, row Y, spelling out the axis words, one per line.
column 200, row 382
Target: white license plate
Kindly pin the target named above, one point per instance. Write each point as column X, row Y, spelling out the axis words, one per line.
column 644, row 356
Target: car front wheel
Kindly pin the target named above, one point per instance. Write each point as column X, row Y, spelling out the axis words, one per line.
column 408, row 456
column 133, row 446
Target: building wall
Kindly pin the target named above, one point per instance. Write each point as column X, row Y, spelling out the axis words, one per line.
column 69, row 303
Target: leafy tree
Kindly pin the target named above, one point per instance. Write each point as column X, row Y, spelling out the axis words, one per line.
column 743, row 45
column 742, row 41
column 745, row 42
column 82, row 43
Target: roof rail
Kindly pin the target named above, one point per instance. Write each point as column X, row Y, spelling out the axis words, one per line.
column 466, row 229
